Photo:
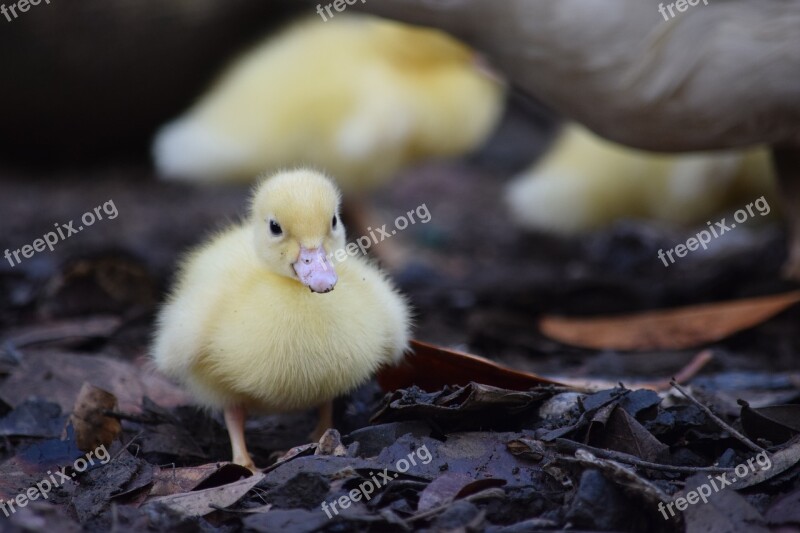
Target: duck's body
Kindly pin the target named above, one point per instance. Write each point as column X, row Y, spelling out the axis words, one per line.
column 242, row 329
column 722, row 74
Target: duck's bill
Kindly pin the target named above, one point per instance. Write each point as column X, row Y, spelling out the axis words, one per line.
column 314, row 270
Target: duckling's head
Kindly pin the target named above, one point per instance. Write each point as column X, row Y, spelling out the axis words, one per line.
column 297, row 227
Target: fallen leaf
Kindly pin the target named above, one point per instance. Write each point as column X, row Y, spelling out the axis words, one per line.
column 450, row 486
column 473, row 405
column 202, row 502
column 527, row 449
column 168, row 481
column 776, row 423
column 623, row 433
column 95, row 488
column 725, row 512
column 624, row 477
column 669, row 329
column 92, row 426
column 432, row 367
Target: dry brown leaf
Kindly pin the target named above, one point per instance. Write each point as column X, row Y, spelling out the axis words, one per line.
column 169, row 481
column 623, row 433
column 202, row 502
column 670, row 329
column 776, row 423
column 92, row 426
column 451, row 486
column 431, row 368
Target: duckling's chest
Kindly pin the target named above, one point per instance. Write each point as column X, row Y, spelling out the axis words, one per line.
column 293, row 350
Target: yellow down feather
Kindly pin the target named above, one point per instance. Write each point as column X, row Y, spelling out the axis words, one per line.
column 239, row 329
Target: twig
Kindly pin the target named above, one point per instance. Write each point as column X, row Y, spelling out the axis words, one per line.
column 721, row 423
column 125, row 447
column 492, row 492
column 626, row 479
column 102, row 326
column 628, row 459
column 684, row 374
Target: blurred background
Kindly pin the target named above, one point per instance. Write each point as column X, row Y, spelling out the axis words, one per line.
column 158, row 117
column 171, row 110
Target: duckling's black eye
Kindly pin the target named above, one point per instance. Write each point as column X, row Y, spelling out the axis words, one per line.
column 275, row 228
column 333, row 222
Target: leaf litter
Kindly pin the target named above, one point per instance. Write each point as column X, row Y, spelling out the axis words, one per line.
column 551, row 433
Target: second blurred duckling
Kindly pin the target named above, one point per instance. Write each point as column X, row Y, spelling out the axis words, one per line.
column 357, row 96
column 585, row 182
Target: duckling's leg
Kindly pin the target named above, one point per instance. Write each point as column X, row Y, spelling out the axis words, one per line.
column 325, row 421
column 787, row 168
column 234, row 421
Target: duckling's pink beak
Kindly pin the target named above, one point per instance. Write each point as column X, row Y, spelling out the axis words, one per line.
column 314, row 270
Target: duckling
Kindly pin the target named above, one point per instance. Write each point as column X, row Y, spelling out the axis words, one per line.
column 358, row 96
column 585, row 182
column 262, row 320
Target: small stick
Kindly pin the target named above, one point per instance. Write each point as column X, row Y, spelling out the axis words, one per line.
column 491, row 492
column 685, row 374
column 628, row 459
column 721, row 423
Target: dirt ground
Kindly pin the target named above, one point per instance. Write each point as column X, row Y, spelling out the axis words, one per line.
column 477, row 283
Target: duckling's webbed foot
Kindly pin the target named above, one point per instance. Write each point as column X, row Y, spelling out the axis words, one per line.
column 234, row 421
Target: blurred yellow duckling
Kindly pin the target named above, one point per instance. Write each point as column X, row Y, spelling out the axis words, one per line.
column 262, row 320
column 585, row 182
column 357, row 96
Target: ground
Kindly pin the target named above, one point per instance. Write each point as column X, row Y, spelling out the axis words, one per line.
column 496, row 460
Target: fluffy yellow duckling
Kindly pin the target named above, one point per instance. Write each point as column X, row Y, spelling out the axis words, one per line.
column 243, row 331
column 358, row 96
column 585, row 182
